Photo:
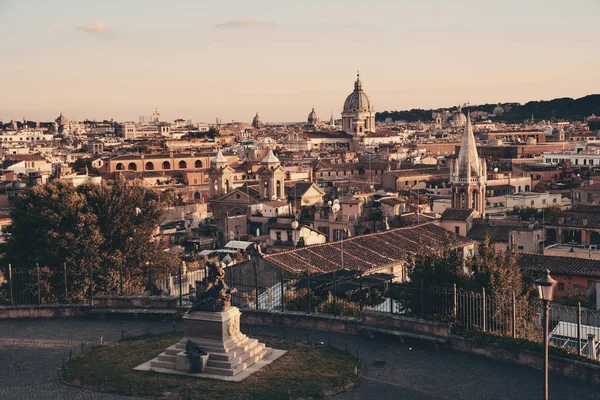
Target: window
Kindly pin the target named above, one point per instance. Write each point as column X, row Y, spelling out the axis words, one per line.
column 561, row 287
column 278, row 234
column 576, row 287
column 532, row 203
column 590, row 197
column 591, row 162
column 338, row 234
column 520, row 247
column 554, row 200
column 543, row 201
column 325, row 230
column 457, row 230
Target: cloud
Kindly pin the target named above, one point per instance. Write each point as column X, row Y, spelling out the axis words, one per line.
column 94, row 28
column 244, row 24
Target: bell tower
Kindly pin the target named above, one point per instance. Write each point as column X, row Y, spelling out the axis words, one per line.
column 468, row 174
column 220, row 175
column 271, row 177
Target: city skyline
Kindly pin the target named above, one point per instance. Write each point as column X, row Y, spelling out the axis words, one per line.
column 232, row 59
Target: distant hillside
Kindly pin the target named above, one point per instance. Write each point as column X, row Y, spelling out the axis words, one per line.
column 557, row 109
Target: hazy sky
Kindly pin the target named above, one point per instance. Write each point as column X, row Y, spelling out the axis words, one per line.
column 203, row 59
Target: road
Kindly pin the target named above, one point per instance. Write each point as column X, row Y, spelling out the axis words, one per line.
column 32, row 350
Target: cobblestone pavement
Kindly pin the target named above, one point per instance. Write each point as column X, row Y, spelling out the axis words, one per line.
column 32, row 350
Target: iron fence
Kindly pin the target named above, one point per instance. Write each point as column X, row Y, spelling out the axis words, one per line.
column 46, row 285
column 347, row 293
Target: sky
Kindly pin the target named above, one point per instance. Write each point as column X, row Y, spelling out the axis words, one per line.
column 200, row 59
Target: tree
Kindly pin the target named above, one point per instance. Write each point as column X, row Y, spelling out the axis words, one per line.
column 53, row 225
column 100, row 231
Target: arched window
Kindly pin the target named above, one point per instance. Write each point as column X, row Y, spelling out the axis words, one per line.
column 279, row 193
column 182, row 164
column 197, row 196
column 474, row 199
column 166, row 165
column 198, row 164
column 227, row 186
column 527, row 188
column 149, row 166
column 132, row 166
column 120, row 167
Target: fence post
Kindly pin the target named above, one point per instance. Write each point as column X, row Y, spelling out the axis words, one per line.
column 360, row 293
column 334, row 295
column 579, row 328
column 121, row 278
column 514, row 316
column 66, row 283
column 483, row 310
column 282, row 293
column 39, row 293
column 256, row 286
column 308, row 289
column 151, row 281
column 454, row 303
column 391, row 298
column 181, row 284
column 422, row 299
column 10, row 284
column 91, row 285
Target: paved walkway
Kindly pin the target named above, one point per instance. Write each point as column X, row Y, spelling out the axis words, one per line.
column 32, row 350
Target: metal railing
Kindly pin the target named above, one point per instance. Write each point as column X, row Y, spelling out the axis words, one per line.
column 45, row 285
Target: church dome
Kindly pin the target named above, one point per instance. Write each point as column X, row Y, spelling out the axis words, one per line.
column 62, row 120
column 459, row 118
column 357, row 101
column 312, row 117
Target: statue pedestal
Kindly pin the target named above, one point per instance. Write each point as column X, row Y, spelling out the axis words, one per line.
column 230, row 353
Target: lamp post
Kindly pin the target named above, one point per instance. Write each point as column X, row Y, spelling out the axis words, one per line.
column 545, row 286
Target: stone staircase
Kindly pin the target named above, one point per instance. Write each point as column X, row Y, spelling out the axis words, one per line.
column 223, row 359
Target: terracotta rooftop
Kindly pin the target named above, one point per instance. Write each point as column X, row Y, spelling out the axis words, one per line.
column 456, row 214
column 366, row 252
column 559, row 265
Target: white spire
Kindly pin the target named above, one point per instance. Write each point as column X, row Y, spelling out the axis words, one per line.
column 219, row 158
column 468, row 159
column 270, row 158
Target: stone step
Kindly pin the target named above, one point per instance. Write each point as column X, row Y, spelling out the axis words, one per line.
column 172, row 350
column 235, row 352
column 167, row 357
column 242, row 345
column 240, row 367
column 237, row 360
column 163, row 364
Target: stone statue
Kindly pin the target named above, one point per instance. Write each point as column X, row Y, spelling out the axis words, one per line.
column 217, row 295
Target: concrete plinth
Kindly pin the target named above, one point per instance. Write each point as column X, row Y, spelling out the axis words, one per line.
column 229, row 351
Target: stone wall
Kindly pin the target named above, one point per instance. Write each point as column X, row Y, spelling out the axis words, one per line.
column 572, row 368
column 317, row 322
column 135, row 302
column 43, row 311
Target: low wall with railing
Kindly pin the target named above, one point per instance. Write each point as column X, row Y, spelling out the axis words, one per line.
column 44, row 311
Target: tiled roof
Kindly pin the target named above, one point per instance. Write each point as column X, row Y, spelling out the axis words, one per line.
column 586, row 208
column 405, row 173
column 496, row 233
column 329, row 135
column 456, row 214
column 366, row 252
column 559, row 265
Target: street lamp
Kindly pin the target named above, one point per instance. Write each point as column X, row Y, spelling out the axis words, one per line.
column 545, row 286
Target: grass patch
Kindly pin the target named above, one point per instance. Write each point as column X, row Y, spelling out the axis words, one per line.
column 305, row 371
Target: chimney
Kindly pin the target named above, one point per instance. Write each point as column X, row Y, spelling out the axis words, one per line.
column 584, row 222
